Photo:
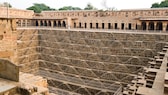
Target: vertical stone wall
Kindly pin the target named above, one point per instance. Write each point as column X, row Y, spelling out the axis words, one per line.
column 82, row 62
column 90, row 62
column 8, row 39
column 27, row 50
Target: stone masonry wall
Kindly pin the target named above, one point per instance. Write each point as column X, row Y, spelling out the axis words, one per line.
column 8, row 39
column 90, row 62
column 27, row 50
column 83, row 62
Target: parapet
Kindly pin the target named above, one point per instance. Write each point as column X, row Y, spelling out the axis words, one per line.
column 8, row 70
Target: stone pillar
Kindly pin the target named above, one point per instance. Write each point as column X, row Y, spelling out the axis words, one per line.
column 112, row 25
column 88, row 25
column 69, row 23
column 139, row 25
column 155, row 26
column 133, row 27
column 125, row 26
column 93, row 25
column 21, row 23
column 164, row 26
column 26, row 22
column 105, row 25
column 52, row 23
column 119, row 26
column 147, row 25
column 39, row 23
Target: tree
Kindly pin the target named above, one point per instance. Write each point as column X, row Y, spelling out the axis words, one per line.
column 164, row 3
column 37, row 8
column 160, row 5
column 89, row 6
column 69, row 8
column 155, row 5
column 6, row 4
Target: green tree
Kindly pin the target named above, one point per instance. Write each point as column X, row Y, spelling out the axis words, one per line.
column 37, row 8
column 89, row 6
column 164, row 3
column 155, row 5
column 69, row 8
column 160, row 5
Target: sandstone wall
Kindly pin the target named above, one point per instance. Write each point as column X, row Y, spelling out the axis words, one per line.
column 8, row 39
column 83, row 62
column 27, row 50
column 91, row 62
column 121, row 14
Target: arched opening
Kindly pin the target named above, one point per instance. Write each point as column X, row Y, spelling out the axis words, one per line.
column 97, row 25
column 102, row 25
column 109, row 25
column 59, row 23
column 151, row 25
column 122, row 25
column 49, row 23
column 37, row 23
column 143, row 25
column 80, row 25
column 159, row 26
column 91, row 26
column 129, row 26
column 74, row 25
column 41, row 23
column 115, row 26
column 63, row 24
column 136, row 27
column 45, row 23
column 55, row 23
column 85, row 25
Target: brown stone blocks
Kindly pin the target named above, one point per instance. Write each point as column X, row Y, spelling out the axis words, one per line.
column 82, row 55
column 7, row 39
column 31, row 67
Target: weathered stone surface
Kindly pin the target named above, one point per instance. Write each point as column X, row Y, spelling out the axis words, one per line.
column 8, row 39
column 6, row 54
column 8, row 70
column 71, row 58
column 101, row 55
column 27, row 50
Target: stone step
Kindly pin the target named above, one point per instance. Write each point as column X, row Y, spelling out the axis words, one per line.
column 52, row 94
column 8, row 89
column 90, row 83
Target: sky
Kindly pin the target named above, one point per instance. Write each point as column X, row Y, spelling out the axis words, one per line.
column 117, row 4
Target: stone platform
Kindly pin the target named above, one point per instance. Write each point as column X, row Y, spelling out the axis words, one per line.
column 28, row 85
column 8, row 87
